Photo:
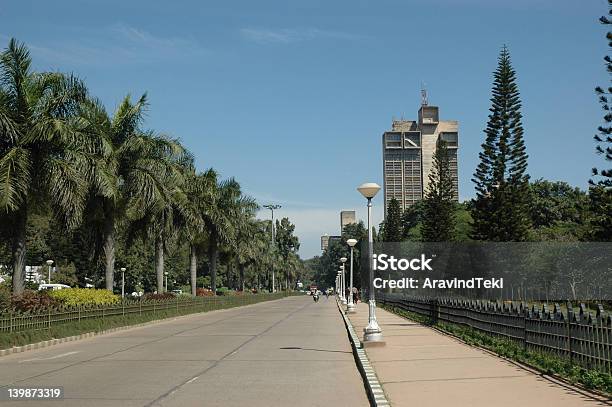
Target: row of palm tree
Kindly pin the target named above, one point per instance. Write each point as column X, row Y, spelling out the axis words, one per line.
column 60, row 148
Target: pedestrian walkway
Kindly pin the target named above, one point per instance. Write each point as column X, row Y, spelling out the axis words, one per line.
column 422, row 367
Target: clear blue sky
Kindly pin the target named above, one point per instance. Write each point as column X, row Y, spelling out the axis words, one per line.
column 291, row 97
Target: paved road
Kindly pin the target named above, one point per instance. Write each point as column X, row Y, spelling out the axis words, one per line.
column 290, row 352
column 422, row 367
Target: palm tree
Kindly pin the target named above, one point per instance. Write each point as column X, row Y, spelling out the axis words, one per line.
column 199, row 189
column 222, row 216
column 251, row 242
column 165, row 212
column 43, row 156
column 137, row 165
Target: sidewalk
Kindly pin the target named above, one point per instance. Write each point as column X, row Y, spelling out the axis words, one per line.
column 422, row 367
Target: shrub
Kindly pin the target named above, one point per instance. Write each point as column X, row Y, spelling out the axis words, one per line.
column 84, row 296
column 31, row 301
column 204, row 292
column 224, row 291
column 5, row 299
column 163, row 296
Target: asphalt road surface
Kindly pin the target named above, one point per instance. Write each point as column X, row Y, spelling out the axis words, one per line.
column 289, row 352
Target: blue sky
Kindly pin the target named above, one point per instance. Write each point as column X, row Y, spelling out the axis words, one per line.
column 291, row 97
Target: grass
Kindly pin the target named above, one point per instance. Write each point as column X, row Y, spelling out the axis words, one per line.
column 56, row 331
column 544, row 362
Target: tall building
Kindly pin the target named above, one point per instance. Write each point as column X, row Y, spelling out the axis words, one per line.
column 408, row 150
column 346, row 218
column 324, row 242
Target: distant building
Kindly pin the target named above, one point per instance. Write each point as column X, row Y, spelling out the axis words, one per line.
column 346, row 218
column 333, row 239
column 408, row 150
column 324, row 242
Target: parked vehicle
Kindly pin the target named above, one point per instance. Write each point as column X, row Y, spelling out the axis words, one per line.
column 52, row 287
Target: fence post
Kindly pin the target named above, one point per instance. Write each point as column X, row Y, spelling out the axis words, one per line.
column 525, row 331
column 434, row 311
column 11, row 321
column 49, row 318
column 570, row 316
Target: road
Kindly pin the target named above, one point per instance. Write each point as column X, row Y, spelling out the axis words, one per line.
column 289, row 352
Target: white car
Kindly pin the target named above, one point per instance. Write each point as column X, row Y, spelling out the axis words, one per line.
column 52, row 287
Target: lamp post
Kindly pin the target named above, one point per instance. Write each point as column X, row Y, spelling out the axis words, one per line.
column 122, row 282
column 166, row 277
column 343, row 260
column 49, row 263
column 350, row 308
column 272, row 207
column 372, row 332
column 339, row 285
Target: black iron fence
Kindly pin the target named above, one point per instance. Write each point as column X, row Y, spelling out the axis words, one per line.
column 579, row 335
column 18, row 322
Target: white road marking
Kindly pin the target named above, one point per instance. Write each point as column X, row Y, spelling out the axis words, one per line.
column 51, row 357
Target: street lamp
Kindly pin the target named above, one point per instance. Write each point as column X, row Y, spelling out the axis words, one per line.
column 166, row 277
column 350, row 308
column 343, row 260
column 49, row 263
column 372, row 333
column 122, row 282
column 272, row 207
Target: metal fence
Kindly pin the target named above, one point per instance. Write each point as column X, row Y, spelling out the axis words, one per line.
column 581, row 336
column 19, row 322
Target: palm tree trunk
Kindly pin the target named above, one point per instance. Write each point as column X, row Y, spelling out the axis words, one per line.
column 241, row 268
column 19, row 251
column 213, row 255
column 159, row 262
column 193, row 268
column 109, row 251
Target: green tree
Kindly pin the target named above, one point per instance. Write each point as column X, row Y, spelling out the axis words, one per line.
column 600, row 217
column 439, row 206
column 220, row 215
column 553, row 202
column 252, row 243
column 603, row 140
column 163, row 213
column 287, row 244
column 133, row 166
column 411, row 218
column 500, row 211
column 393, row 222
column 42, row 158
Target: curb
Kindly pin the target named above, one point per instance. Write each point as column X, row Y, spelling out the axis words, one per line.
column 375, row 392
column 51, row 342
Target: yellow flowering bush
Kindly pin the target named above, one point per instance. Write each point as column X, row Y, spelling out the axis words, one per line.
column 84, row 296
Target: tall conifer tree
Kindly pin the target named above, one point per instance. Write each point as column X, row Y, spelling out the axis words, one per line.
column 393, row 222
column 502, row 185
column 600, row 193
column 439, row 206
column 603, row 140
